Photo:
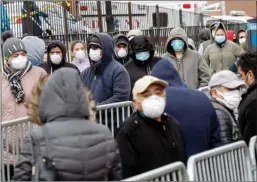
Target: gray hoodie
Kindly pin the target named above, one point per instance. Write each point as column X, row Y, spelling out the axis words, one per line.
column 191, row 66
column 222, row 57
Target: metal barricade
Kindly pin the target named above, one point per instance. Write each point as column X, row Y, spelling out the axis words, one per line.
column 227, row 163
column 253, row 152
column 112, row 115
column 171, row 172
column 205, row 90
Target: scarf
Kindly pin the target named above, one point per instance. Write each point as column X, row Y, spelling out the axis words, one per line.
column 14, row 77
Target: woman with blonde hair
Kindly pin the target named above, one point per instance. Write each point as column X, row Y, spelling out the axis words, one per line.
column 71, row 144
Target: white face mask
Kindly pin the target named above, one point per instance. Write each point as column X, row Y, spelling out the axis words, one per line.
column 80, row 54
column 242, row 40
column 56, row 58
column 153, row 106
column 122, row 53
column 231, row 99
column 95, row 55
column 19, row 63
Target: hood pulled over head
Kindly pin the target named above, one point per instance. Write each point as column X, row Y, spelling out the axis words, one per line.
column 204, row 34
column 175, row 33
column 63, row 96
column 106, row 43
column 52, row 45
column 164, row 70
column 118, row 39
column 140, row 44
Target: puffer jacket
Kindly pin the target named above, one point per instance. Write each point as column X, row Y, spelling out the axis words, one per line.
column 11, row 110
column 81, row 149
column 228, row 125
column 222, row 57
column 191, row 66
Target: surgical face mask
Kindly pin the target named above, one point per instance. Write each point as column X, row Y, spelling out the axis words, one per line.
column 242, row 40
column 220, row 38
column 95, row 55
column 143, row 56
column 56, row 58
column 153, row 106
column 80, row 54
column 230, row 99
column 122, row 53
column 19, row 62
column 177, row 45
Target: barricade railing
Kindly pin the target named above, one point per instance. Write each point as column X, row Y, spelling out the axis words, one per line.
column 112, row 115
column 14, row 131
column 205, row 90
column 253, row 153
column 227, row 163
column 171, row 172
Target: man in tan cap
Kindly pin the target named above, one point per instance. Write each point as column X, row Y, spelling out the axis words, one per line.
column 149, row 138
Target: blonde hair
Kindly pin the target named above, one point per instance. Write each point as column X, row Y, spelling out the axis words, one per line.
column 36, row 92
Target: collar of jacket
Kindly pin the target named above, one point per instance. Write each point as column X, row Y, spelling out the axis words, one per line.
column 250, row 89
column 153, row 123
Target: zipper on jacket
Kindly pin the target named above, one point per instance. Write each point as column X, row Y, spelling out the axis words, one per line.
column 148, row 69
column 164, row 128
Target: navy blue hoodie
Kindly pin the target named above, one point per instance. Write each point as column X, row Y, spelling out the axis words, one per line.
column 110, row 81
column 191, row 108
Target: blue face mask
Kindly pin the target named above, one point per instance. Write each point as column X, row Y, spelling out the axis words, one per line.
column 220, row 38
column 143, row 56
column 177, row 45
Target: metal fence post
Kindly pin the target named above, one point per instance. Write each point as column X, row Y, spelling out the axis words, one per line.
column 180, row 18
column 28, row 26
column 109, row 17
column 130, row 15
column 201, row 19
column 151, row 33
column 99, row 12
column 158, row 24
column 66, row 28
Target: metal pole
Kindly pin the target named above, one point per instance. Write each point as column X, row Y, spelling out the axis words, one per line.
column 180, row 18
column 130, row 15
column 157, row 23
column 66, row 28
column 109, row 18
column 28, row 18
column 99, row 12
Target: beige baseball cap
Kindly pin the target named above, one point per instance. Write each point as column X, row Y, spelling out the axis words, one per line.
column 143, row 83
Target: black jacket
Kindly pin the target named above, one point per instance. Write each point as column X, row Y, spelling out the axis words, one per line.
column 115, row 39
column 228, row 124
column 137, row 69
column 49, row 67
column 146, row 144
column 247, row 118
column 82, row 149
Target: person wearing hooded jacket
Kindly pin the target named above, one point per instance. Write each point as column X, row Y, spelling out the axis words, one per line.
column 222, row 53
column 204, row 35
column 142, row 58
column 121, row 48
column 190, row 64
column 106, row 78
column 191, row 108
column 82, row 150
column 56, row 58
column 35, row 48
column 205, row 44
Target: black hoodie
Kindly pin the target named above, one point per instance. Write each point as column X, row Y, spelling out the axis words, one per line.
column 122, row 61
column 49, row 67
column 137, row 69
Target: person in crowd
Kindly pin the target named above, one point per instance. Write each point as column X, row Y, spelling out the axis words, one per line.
column 121, row 48
column 240, row 37
column 204, row 35
column 149, row 138
column 134, row 32
column 190, row 64
column 78, row 52
column 5, row 35
column 56, row 58
column 247, row 108
column 230, row 35
column 225, row 96
column 223, row 52
column 142, row 58
column 35, row 48
column 106, row 78
column 17, row 82
column 80, row 140
column 191, row 44
column 191, row 108
column 205, row 44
